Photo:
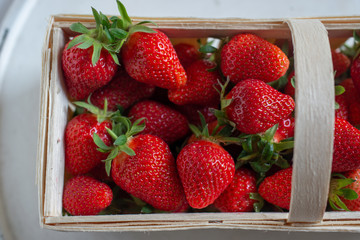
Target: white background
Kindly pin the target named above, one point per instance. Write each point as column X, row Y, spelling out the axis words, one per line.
column 20, row 71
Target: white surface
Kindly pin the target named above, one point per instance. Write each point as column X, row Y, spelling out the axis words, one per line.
column 19, row 106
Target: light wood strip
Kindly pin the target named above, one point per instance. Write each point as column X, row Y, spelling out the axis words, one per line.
column 314, row 120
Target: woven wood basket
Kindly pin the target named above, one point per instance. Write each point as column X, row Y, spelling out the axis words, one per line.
column 313, row 130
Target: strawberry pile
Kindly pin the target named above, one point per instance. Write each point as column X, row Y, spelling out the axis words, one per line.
column 189, row 127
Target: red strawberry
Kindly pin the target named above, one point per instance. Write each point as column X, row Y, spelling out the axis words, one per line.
column 351, row 93
column 236, row 197
column 285, row 129
column 81, row 154
column 276, row 189
column 289, row 88
column 151, row 58
column 353, row 205
column 346, row 154
column 161, row 120
column 187, row 53
column 205, row 169
column 342, row 112
column 354, row 113
column 256, row 106
column 85, row 195
column 352, row 97
column 121, row 91
column 249, row 56
column 340, row 62
column 355, row 72
column 81, row 76
column 200, row 86
column 150, row 174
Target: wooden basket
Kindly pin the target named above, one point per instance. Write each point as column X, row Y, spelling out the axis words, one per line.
column 313, row 130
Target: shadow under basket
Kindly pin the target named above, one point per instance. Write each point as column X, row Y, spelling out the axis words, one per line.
column 314, row 116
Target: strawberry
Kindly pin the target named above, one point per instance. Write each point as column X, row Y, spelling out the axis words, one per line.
column 200, row 86
column 351, row 93
column 121, row 91
column 353, row 204
column 285, row 129
column 82, row 77
column 161, row 120
column 187, row 53
column 84, row 195
column 346, row 154
column 289, row 88
column 143, row 165
column 276, row 189
column 81, row 154
column 340, row 62
column 355, row 72
column 249, row 56
column 256, row 106
column 151, row 58
column 354, row 114
column 150, row 174
column 342, row 111
column 236, row 197
column 352, row 98
column 205, row 170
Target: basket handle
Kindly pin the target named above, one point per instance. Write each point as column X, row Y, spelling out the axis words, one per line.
column 314, row 120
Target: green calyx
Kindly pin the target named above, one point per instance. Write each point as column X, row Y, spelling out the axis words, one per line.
column 352, row 51
column 259, row 201
column 261, row 152
column 110, row 33
column 220, row 134
column 102, row 114
column 338, row 190
column 221, row 115
column 122, row 131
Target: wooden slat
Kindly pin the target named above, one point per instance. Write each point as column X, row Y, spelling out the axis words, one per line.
column 314, row 118
column 58, row 107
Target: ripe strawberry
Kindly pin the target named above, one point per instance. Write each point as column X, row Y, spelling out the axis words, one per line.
column 150, row 173
column 82, row 77
column 353, row 204
column 200, row 86
column 81, row 154
column 346, row 154
column 285, row 129
column 187, row 54
column 276, row 189
column 205, row 170
column 256, row 106
column 289, row 88
column 121, row 91
column 340, row 62
column 351, row 93
column 342, row 112
column 151, row 58
column 249, row 56
column 236, row 197
column 85, row 195
column 352, row 97
column 355, row 72
column 162, row 121
column 354, row 114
